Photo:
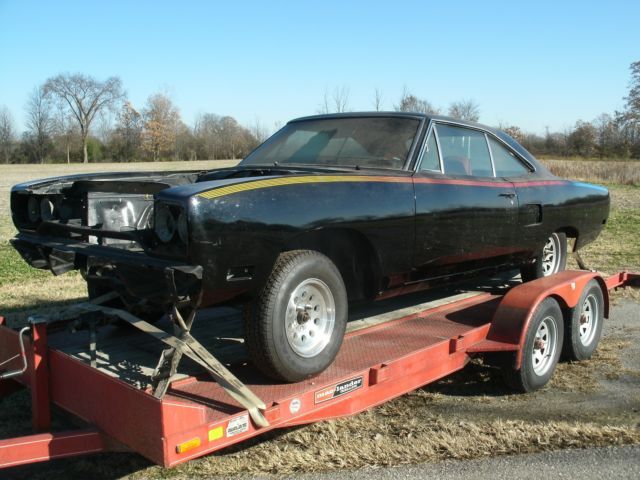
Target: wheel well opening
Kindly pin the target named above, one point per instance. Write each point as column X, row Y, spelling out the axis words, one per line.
column 353, row 255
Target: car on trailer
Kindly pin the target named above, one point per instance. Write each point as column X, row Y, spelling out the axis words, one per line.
column 331, row 209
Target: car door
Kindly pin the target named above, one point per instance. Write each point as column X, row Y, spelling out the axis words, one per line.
column 465, row 216
column 530, row 232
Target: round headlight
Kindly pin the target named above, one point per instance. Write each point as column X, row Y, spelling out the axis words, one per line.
column 165, row 224
column 183, row 228
column 33, row 209
column 46, row 209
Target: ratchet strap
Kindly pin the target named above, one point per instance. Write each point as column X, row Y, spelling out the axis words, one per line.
column 185, row 345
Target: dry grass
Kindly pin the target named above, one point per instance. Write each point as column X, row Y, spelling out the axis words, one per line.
column 583, row 376
column 618, row 172
column 377, row 440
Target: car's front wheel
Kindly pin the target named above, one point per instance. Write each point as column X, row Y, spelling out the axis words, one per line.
column 551, row 258
column 295, row 327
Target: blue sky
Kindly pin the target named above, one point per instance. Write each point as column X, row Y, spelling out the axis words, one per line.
column 532, row 64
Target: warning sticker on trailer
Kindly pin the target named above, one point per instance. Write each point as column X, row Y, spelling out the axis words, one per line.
column 337, row 390
column 238, row 425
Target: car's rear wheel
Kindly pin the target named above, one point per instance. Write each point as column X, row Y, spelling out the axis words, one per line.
column 551, row 258
column 295, row 327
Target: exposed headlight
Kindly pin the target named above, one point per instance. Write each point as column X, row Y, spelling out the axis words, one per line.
column 46, row 209
column 183, row 228
column 33, row 209
column 165, row 224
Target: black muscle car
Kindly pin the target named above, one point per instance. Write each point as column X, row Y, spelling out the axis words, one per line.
column 330, row 209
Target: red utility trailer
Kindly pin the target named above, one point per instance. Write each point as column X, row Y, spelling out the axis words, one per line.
column 101, row 376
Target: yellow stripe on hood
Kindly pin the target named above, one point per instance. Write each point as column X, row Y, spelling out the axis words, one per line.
column 281, row 182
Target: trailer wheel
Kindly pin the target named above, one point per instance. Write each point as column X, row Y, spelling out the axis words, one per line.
column 295, row 327
column 584, row 328
column 541, row 350
column 552, row 258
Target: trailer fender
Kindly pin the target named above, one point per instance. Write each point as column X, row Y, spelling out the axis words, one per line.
column 512, row 318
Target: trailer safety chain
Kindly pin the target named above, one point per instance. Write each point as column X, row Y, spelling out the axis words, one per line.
column 182, row 344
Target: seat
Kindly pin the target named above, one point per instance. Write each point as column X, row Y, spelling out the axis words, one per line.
column 456, row 165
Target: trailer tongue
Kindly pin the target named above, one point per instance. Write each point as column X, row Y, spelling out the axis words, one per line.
column 198, row 404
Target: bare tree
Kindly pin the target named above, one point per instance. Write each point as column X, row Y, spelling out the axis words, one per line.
column 377, row 99
column 207, row 132
column 325, row 107
column 63, row 127
column 39, row 123
column 128, row 132
column 411, row 103
column 161, row 122
column 259, row 131
column 583, row 139
column 632, row 109
column 7, row 133
column 335, row 103
column 341, row 98
column 85, row 96
column 465, row 110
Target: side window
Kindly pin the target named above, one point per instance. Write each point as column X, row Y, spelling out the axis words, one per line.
column 430, row 158
column 464, row 151
column 506, row 163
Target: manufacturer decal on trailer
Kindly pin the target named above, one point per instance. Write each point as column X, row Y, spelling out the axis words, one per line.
column 337, row 390
column 238, row 425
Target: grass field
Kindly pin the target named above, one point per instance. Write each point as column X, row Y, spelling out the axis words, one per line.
column 465, row 416
column 616, row 172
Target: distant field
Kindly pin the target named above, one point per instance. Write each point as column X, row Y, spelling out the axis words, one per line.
column 618, row 172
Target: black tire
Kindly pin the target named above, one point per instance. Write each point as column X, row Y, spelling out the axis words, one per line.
column 270, row 342
column 584, row 326
column 539, row 269
column 536, row 373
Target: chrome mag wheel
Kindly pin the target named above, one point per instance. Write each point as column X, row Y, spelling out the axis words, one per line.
column 551, row 256
column 310, row 317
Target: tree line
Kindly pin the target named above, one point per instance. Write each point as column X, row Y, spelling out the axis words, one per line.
column 77, row 118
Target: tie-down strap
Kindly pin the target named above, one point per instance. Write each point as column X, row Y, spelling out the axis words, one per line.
column 190, row 347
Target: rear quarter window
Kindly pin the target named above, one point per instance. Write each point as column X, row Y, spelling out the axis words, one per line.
column 506, row 163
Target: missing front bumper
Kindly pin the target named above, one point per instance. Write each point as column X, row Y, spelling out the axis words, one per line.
column 155, row 280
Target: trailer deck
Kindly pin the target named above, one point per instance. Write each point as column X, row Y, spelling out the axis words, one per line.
column 383, row 356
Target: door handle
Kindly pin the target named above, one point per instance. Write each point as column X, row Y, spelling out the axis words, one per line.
column 507, row 195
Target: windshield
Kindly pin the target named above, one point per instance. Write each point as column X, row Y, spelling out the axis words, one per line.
column 378, row 142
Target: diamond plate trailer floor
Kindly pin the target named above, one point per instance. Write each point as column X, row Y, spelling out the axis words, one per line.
column 382, row 357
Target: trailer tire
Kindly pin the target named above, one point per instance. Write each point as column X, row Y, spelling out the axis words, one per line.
column 584, row 325
column 295, row 327
column 541, row 349
column 555, row 246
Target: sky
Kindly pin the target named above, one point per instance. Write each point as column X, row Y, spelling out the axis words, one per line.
column 532, row 64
